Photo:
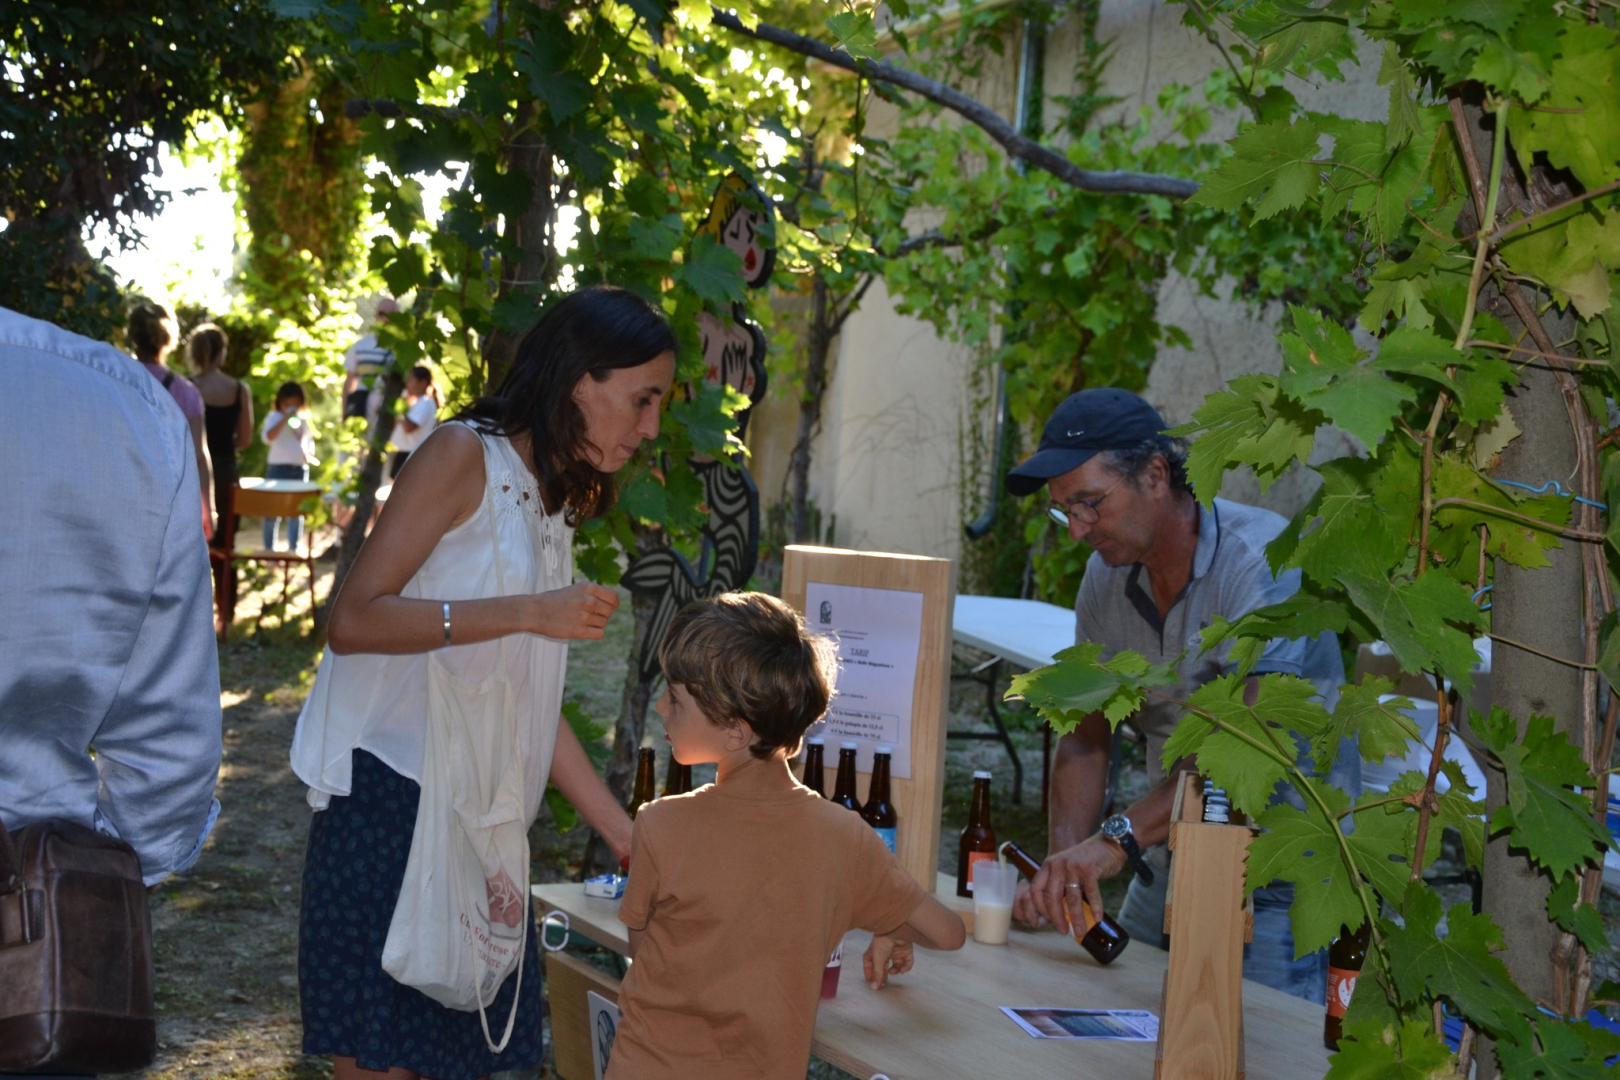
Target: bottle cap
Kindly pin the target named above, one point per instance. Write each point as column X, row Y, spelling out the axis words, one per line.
column 848, row 746
column 884, row 750
column 981, row 774
column 816, row 741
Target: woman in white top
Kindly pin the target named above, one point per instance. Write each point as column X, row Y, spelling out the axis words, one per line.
column 421, row 416
column 466, row 575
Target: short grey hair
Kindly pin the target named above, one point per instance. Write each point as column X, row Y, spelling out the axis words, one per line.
column 1130, row 462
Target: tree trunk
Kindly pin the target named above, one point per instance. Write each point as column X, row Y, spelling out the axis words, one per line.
column 365, row 496
column 1543, row 608
column 531, row 231
column 818, row 346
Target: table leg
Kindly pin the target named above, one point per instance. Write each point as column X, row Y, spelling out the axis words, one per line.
column 1000, row 735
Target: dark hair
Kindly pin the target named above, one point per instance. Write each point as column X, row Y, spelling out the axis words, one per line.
column 593, row 332
column 423, row 372
column 151, row 328
column 206, row 346
column 747, row 656
column 1130, row 462
column 290, row 389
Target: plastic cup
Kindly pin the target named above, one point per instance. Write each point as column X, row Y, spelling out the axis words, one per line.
column 993, row 887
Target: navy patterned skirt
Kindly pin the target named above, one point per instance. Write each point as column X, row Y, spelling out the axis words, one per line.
column 353, row 870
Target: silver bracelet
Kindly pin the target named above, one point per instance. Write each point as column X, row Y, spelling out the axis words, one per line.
column 447, row 622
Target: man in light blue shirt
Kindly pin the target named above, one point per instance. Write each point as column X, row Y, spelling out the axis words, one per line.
column 106, row 612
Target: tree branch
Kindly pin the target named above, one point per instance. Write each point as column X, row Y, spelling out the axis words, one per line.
column 1019, row 146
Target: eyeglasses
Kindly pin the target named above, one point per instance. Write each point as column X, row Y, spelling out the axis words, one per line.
column 1082, row 510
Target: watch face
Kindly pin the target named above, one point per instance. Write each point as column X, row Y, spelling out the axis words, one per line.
column 1115, row 827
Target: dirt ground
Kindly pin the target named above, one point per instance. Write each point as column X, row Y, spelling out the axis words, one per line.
column 226, row 931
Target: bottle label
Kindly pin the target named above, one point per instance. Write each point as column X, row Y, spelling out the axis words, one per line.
column 887, row 836
column 1341, row 984
column 974, row 859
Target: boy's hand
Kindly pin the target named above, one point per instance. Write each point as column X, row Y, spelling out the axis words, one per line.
column 884, row 957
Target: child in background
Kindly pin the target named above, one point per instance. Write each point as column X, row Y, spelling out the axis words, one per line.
column 741, row 890
column 292, row 451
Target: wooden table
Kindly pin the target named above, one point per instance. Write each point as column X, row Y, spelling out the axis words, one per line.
column 943, row 1019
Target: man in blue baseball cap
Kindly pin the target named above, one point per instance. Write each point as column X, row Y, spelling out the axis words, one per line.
column 1162, row 567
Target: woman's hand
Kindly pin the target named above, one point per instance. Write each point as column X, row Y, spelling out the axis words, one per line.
column 577, row 613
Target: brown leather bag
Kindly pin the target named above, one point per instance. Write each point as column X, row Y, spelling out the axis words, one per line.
column 75, row 953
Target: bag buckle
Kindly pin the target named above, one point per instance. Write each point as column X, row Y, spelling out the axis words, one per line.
column 22, row 917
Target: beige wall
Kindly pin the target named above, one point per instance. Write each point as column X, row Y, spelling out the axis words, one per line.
column 902, row 404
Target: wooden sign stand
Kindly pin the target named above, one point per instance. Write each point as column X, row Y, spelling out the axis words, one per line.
column 917, row 800
column 1201, row 1018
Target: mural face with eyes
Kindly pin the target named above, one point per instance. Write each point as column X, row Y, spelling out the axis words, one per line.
column 741, row 233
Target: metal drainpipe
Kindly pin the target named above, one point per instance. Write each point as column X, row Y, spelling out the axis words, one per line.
column 1027, row 121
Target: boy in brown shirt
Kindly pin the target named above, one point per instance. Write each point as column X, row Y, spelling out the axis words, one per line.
column 740, row 891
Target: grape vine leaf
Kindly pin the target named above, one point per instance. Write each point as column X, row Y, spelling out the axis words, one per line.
column 1455, row 531
column 1567, row 1051
column 1250, row 423
column 1283, row 704
column 1403, row 92
column 712, row 271
column 1547, row 818
column 1327, row 371
column 1373, row 1051
column 1303, row 847
column 1272, row 164
column 1357, row 520
column 1419, row 619
column 857, row 33
column 1477, row 381
column 1579, row 129
column 1461, row 966
column 1080, row 682
column 1379, row 726
column 1582, row 920
column 1305, row 614
column 1456, row 809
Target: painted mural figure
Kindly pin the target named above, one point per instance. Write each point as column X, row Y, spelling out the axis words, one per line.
column 733, row 355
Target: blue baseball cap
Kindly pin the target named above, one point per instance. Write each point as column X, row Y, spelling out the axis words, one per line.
column 1106, row 418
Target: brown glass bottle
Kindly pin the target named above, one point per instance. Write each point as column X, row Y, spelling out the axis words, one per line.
column 815, row 766
column 978, row 840
column 844, row 786
column 878, row 811
column 645, row 789
column 1345, row 957
column 677, row 778
column 1104, row 939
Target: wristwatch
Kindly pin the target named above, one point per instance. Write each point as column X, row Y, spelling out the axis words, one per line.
column 1118, row 829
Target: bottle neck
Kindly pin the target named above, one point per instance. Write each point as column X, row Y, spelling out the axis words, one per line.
column 879, row 791
column 979, row 810
column 1020, row 858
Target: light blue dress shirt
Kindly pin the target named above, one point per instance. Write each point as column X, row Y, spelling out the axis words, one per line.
column 106, row 608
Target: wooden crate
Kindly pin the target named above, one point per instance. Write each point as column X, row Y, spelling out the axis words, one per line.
column 917, row 800
column 1201, row 1017
column 567, row 981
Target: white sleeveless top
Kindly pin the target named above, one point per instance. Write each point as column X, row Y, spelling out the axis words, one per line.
column 379, row 703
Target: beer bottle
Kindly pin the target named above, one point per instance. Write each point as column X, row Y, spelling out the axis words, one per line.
column 646, row 786
column 1345, row 957
column 814, row 766
column 978, row 840
column 678, row 777
column 1102, row 937
column 844, row 786
column 878, row 811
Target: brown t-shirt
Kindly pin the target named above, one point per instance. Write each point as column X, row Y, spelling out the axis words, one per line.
column 744, row 889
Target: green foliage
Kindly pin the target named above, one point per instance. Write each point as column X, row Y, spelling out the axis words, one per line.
column 636, row 111
column 1398, row 540
column 592, row 736
column 89, row 94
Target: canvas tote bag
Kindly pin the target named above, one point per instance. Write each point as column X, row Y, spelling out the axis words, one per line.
column 461, row 922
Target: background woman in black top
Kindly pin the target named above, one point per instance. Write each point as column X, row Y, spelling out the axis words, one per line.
column 227, row 413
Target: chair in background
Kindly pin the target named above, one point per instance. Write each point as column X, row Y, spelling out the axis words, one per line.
column 256, row 497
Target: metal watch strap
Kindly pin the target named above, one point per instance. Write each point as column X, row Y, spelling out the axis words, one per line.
column 1133, row 851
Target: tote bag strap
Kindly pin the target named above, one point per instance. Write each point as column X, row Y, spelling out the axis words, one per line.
column 491, row 481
